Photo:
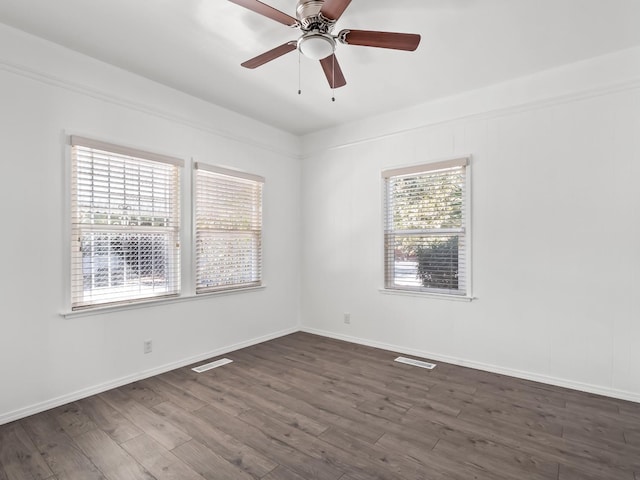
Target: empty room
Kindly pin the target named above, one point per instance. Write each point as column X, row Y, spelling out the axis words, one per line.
column 320, row 239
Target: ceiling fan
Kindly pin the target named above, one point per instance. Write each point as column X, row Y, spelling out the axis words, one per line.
column 316, row 19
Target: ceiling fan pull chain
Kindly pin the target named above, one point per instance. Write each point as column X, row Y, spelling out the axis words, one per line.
column 333, row 80
column 299, row 74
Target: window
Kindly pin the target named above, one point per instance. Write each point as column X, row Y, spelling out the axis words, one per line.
column 125, row 215
column 228, row 223
column 425, row 239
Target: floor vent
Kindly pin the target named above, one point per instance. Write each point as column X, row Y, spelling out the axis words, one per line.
column 416, row 363
column 209, row 366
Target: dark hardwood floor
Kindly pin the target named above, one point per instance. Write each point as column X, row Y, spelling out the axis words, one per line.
column 308, row 407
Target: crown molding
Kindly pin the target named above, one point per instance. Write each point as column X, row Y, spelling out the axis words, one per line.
column 108, row 97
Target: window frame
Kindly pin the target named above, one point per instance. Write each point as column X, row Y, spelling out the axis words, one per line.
column 240, row 177
column 75, row 305
column 463, row 161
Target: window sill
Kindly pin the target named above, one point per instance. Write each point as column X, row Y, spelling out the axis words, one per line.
column 154, row 303
column 439, row 296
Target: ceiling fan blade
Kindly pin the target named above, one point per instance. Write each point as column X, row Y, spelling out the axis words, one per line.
column 333, row 71
column 267, row 11
column 270, row 55
column 369, row 38
column 333, row 9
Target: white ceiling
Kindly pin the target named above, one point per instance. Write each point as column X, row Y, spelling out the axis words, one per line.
column 197, row 46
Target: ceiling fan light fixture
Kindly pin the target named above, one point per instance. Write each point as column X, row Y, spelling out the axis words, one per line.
column 316, row 46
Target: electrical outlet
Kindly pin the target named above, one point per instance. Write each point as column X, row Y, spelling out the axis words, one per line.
column 148, row 346
column 347, row 318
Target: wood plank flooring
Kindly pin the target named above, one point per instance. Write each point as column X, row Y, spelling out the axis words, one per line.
column 306, row 407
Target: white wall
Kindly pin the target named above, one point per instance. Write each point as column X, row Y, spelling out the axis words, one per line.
column 46, row 359
column 556, row 228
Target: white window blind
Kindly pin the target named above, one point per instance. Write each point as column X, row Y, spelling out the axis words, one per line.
column 425, row 238
column 228, row 224
column 125, row 214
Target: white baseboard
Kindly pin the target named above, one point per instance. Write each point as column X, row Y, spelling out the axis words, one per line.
column 95, row 389
column 559, row 382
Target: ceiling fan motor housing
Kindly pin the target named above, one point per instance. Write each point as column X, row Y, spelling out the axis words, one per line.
column 310, row 18
column 316, row 42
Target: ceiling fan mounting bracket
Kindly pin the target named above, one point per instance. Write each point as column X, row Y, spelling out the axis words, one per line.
column 342, row 36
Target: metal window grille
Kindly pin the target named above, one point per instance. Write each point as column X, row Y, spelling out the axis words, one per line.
column 125, row 214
